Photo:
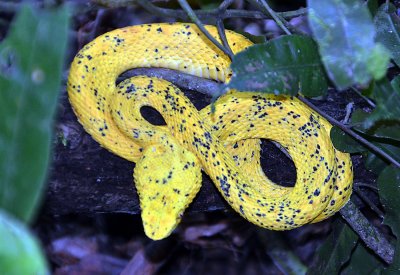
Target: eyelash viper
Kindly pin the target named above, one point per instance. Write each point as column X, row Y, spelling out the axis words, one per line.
column 225, row 144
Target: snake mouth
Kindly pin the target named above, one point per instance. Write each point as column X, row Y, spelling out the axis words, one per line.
column 159, row 226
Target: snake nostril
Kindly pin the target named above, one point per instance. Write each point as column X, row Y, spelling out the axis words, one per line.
column 276, row 165
column 152, row 115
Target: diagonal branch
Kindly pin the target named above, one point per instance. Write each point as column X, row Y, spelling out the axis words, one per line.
column 371, row 237
column 186, row 7
column 263, row 5
column 353, row 134
column 201, row 14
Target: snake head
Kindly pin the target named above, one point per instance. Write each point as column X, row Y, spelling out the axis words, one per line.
column 167, row 178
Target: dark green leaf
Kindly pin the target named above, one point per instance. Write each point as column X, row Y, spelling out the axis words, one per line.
column 387, row 97
column 335, row 251
column 29, row 87
column 288, row 65
column 344, row 142
column 362, row 262
column 389, row 193
column 388, row 130
column 256, row 39
column 387, row 111
column 20, row 252
column 368, row 90
column 374, row 163
column 373, row 6
column 384, row 133
column 345, row 34
column 391, row 150
column 384, row 137
column 280, row 253
column 388, row 30
column 359, row 120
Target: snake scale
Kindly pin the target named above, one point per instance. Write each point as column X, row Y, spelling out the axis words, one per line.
column 225, row 144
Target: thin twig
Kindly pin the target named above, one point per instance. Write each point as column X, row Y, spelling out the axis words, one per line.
column 368, row 233
column 268, row 10
column 206, row 14
column 352, row 133
column 369, row 101
column 349, row 109
column 222, row 36
column 220, row 24
column 361, row 184
column 186, row 7
column 225, row 4
column 364, row 198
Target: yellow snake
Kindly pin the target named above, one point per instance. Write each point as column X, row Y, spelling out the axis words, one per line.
column 225, row 144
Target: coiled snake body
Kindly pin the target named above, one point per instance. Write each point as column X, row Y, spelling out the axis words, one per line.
column 225, row 144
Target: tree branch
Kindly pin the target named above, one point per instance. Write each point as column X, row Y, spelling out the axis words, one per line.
column 185, row 81
column 263, row 5
column 201, row 14
column 353, row 134
column 371, row 237
column 220, row 25
column 361, row 184
column 186, row 7
column 367, row 201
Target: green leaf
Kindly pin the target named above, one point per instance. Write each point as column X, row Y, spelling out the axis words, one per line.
column 389, row 193
column 29, row 87
column 335, row 251
column 391, row 150
column 388, row 130
column 288, row 65
column 281, row 254
column 388, row 30
column 20, row 252
column 373, row 6
column 345, row 143
column 383, row 133
column 374, row 163
column 387, row 97
column 345, row 34
column 387, row 111
column 359, row 120
column 256, row 39
column 362, row 262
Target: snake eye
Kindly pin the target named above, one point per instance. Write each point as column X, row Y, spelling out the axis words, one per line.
column 152, row 116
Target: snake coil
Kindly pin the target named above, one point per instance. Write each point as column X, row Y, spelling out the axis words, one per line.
column 225, row 144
